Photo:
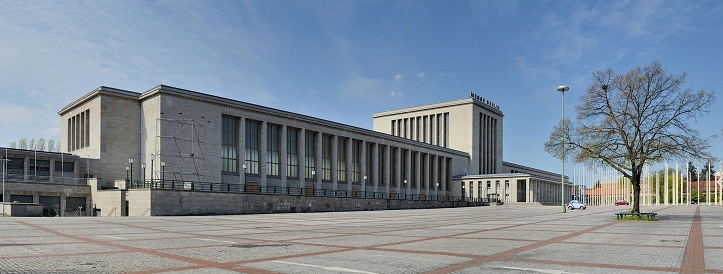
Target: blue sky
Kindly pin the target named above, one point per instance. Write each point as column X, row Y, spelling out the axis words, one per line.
column 345, row 60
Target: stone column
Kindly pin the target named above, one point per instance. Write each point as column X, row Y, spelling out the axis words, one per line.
column 263, row 165
column 282, row 155
column 241, row 150
column 302, row 158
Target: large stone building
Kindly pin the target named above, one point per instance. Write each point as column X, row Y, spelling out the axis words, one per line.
column 474, row 126
column 170, row 151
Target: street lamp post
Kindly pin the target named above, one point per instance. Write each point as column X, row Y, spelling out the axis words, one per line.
column 153, row 157
column 244, row 167
column 143, row 174
column 163, row 172
column 130, row 162
column 127, row 171
column 562, row 142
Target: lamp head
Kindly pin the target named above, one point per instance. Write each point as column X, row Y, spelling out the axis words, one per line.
column 563, row 88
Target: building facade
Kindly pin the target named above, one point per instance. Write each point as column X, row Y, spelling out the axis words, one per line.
column 57, row 181
column 171, row 134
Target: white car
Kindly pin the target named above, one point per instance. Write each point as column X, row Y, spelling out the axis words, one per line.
column 575, row 204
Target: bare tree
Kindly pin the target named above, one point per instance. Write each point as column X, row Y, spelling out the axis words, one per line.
column 51, row 145
column 632, row 119
column 13, row 145
column 40, row 145
column 32, row 144
column 23, row 143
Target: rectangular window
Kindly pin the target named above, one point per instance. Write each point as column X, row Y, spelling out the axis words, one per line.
column 370, row 164
column 431, row 129
column 382, row 162
column 356, row 161
column 439, row 129
column 471, row 189
column 423, row 170
column 479, row 189
column 404, row 168
column 394, row 130
column 341, row 159
column 64, row 167
column 252, row 146
column 446, row 129
column 292, row 152
column 393, row 166
column 424, row 129
column 413, row 176
column 39, row 168
column 310, row 154
column 419, row 123
column 411, row 128
column 326, row 157
column 439, row 173
column 16, row 166
column 406, row 126
column 272, row 149
column 229, row 144
column 399, row 127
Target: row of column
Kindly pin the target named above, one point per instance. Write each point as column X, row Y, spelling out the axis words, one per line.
column 434, row 181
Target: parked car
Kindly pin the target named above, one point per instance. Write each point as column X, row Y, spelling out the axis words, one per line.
column 693, row 202
column 575, row 204
column 621, row 202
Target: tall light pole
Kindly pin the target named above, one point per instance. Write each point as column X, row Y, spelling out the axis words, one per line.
column 562, row 142
column 153, row 157
column 130, row 162
column 163, row 172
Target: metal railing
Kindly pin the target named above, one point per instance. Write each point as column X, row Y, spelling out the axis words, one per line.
column 289, row 191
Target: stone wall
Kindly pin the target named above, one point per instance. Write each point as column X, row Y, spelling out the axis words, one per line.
column 175, row 202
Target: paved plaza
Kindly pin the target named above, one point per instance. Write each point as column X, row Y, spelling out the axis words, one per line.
column 518, row 239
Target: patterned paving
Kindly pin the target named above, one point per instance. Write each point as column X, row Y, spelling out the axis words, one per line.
column 519, row 239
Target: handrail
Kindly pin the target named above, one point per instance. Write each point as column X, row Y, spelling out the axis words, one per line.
column 253, row 188
column 112, row 211
column 144, row 212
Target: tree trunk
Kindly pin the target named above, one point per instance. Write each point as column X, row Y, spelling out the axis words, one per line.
column 636, row 190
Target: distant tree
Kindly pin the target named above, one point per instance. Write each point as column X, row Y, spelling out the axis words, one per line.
column 40, row 145
column 23, row 143
column 57, row 147
column 51, row 145
column 633, row 119
column 32, row 144
column 13, row 145
column 692, row 172
column 705, row 170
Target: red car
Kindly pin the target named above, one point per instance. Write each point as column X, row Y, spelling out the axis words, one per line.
column 621, row 202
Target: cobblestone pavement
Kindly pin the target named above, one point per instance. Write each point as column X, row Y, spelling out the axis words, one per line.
column 518, row 239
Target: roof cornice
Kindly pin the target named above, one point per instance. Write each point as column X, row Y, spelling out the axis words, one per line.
column 102, row 90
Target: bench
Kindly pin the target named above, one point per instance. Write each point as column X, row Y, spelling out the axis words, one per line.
column 648, row 215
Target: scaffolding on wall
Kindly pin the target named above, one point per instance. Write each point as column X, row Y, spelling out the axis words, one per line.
column 179, row 149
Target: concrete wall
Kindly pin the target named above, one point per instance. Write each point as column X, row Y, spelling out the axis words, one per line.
column 173, row 202
column 22, row 209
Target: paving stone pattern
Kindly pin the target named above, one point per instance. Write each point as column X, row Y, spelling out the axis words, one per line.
column 518, row 239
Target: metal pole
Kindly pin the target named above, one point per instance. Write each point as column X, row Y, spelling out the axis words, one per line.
column 562, row 142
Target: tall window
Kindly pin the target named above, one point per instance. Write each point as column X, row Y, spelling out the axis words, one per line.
column 272, row 149
column 424, row 128
column 292, row 152
column 78, row 131
column 419, row 123
column 404, row 167
column 382, row 161
column 411, row 128
column 326, row 157
column 431, row 129
column 439, row 129
column 370, row 164
column 341, row 159
column 310, row 154
column 229, row 144
column 64, row 167
column 394, row 130
column 446, row 129
column 423, row 170
column 355, row 161
column 252, row 146
column 414, row 169
column 393, row 166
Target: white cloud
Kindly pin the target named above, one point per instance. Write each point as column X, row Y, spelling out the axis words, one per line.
column 394, row 94
column 421, row 75
column 398, row 78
